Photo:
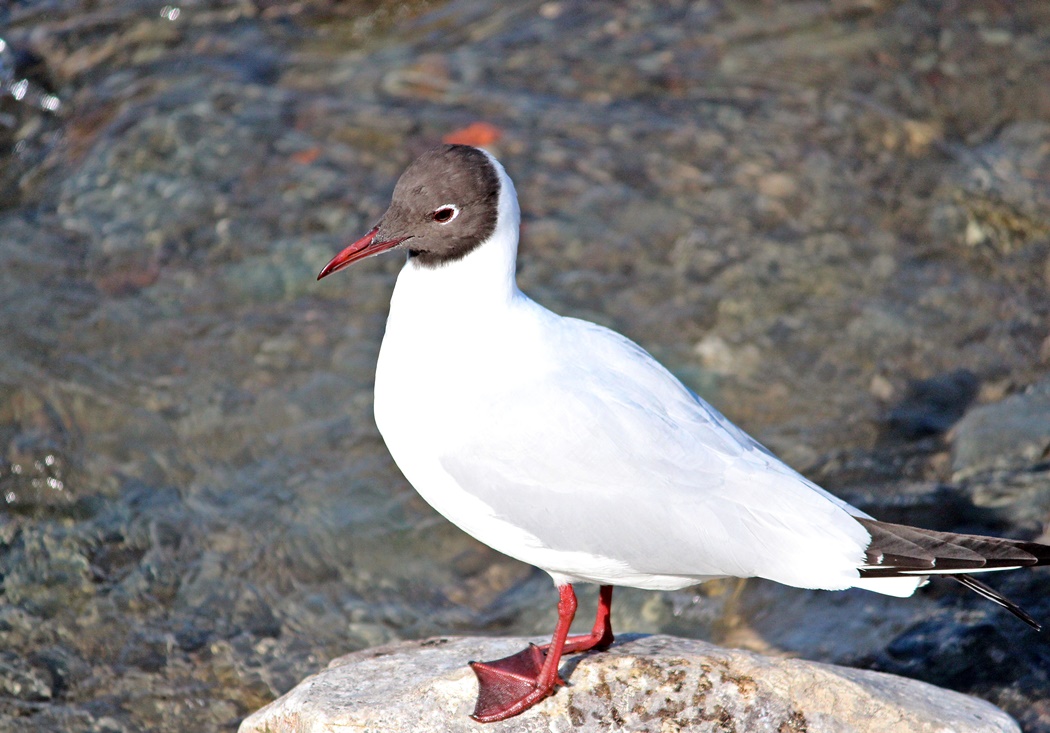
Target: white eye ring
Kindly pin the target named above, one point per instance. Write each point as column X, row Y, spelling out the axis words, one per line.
column 445, row 213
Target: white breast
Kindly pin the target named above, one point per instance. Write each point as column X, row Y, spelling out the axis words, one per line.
column 442, row 361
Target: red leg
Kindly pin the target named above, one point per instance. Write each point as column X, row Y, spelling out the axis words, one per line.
column 601, row 636
column 509, row 686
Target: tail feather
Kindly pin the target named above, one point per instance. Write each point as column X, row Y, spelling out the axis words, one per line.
column 897, row 550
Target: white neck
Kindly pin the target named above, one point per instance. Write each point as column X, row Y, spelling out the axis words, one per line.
column 485, row 278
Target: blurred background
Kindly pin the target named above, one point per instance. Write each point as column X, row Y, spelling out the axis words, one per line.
column 832, row 219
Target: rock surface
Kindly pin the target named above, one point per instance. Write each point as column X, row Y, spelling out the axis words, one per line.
column 650, row 683
column 1011, row 433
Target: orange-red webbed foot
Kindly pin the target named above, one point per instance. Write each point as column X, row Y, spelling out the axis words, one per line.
column 511, row 685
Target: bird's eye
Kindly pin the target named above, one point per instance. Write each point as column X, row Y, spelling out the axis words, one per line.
column 445, row 214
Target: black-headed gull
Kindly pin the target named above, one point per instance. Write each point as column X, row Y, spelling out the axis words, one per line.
column 565, row 445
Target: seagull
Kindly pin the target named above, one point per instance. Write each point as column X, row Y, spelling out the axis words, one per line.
column 567, row 446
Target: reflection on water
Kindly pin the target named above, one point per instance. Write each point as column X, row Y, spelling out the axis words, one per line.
column 21, row 89
column 197, row 507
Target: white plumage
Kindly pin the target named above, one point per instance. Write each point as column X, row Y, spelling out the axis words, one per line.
column 567, row 446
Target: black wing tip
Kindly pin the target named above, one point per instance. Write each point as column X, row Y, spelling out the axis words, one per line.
column 995, row 596
column 1039, row 551
column 899, row 550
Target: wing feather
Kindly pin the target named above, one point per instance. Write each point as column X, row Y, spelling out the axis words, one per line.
column 643, row 471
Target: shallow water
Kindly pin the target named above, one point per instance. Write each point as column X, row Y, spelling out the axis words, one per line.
column 799, row 209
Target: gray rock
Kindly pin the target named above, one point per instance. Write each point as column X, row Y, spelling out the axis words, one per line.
column 652, row 683
column 23, row 680
column 1012, row 433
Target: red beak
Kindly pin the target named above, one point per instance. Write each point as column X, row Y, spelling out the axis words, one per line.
column 366, row 246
